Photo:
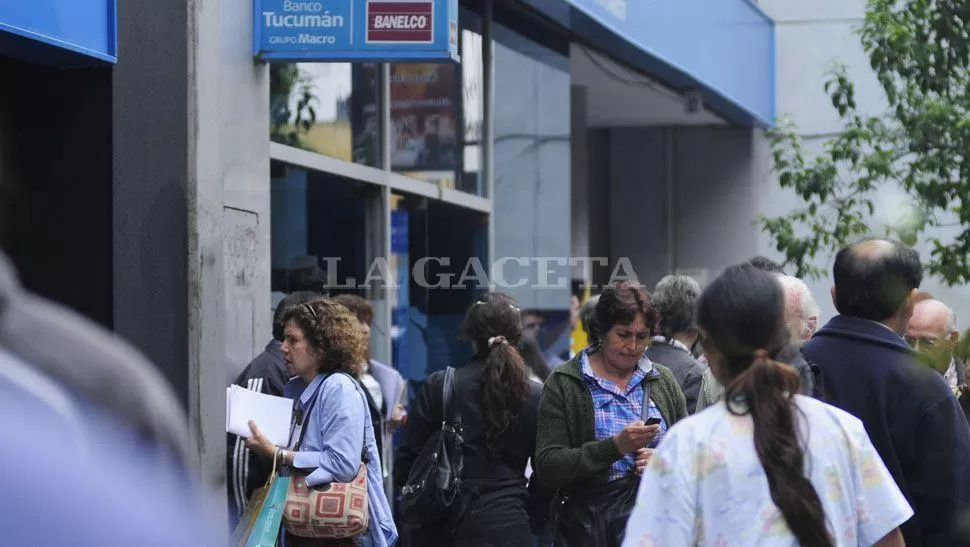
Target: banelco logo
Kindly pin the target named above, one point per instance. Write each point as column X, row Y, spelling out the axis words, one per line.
column 441, row 272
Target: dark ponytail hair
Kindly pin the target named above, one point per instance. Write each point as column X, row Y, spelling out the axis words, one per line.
column 494, row 325
column 742, row 314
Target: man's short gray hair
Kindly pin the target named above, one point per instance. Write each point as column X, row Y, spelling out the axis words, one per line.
column 801, row 311
column 586, row 311
column 676, row 297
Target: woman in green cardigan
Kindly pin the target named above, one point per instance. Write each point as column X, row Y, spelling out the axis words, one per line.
column 595, row 435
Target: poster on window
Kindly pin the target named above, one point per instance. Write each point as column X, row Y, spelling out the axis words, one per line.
column 424, row 117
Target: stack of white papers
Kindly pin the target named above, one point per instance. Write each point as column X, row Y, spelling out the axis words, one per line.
column 271, row 414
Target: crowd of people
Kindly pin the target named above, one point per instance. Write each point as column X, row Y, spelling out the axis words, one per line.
column 727, row 415
column 723, row 415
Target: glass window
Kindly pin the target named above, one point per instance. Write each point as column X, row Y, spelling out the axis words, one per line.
column 436, row 116
column 319, row 227
column 473, row 110
column 424, row 121
column 434, row 250
column 328, row 108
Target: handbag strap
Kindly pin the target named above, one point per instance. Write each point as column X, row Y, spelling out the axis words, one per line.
column 306, row 414
column 645, row 403
column 449, row 407
column 364, row 456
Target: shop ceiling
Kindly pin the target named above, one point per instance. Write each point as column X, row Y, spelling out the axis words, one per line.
column 617, row 96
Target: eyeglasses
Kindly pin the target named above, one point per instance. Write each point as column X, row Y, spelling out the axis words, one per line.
column 312, row 311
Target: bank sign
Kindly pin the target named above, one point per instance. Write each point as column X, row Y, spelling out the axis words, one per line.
column 355, row 30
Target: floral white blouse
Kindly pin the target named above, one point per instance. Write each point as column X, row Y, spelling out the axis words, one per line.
column 706, row 486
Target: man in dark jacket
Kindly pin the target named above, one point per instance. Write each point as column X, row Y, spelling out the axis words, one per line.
column 868, row 370
column 266, row 373
column 676, row 298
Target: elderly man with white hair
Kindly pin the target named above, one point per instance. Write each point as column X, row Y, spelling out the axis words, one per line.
column 801, row 311
column 801, row 316
column 933, row 332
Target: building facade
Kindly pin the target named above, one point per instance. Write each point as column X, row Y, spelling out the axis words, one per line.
column 202, row 184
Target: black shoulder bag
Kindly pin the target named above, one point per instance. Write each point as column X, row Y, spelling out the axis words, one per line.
column 433, row 489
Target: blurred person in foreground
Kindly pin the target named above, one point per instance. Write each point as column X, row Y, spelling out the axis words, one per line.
column 768, row 467
column 497, row 403
column 870, row 371
column 324, row 348
column 676, row 298
column 85, row 415
column 53, row 444
column 801, row 318
column 593, row 438
column 266, row 373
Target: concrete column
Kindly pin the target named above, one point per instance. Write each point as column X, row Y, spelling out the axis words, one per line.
column 191, row 203
column 150, row 200
column 579, row 175
column 598, row 205
column 207, row 317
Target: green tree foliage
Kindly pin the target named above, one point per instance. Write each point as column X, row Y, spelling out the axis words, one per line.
column 920, row 52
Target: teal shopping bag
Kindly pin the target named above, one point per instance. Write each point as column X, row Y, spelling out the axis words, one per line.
column 266, row 529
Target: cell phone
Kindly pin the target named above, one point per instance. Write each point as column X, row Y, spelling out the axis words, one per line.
column 652, row 421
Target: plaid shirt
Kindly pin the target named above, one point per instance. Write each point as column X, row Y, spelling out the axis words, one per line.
column 613, row 409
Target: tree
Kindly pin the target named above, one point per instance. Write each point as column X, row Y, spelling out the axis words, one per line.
column 920, row 52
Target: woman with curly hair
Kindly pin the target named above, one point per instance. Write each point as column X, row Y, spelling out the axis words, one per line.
column 498, row 403
column 324, row 348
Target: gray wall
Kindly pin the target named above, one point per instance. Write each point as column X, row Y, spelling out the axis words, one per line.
column 681, row 198
column 151, row 171
column 191, row 217
column 532, row 174
column 720, row 174
column 638, row 197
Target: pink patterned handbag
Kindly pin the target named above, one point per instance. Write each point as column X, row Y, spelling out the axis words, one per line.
column 333, row 511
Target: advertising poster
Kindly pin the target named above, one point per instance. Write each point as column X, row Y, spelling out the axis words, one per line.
column 424, row 117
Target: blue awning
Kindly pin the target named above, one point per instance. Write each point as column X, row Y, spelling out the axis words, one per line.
column 59, row 31
column 723, row 48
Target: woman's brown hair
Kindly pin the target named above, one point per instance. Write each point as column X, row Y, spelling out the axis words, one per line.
column 742, row 314
column 494, row 325
column 334, row 332
column 619, row 304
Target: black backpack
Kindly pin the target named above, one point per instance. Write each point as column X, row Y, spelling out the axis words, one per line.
column 433, row 491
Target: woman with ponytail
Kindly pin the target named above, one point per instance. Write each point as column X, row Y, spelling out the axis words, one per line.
column 498, row 403
column 766, row 466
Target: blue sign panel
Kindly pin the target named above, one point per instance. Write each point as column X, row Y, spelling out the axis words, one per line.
column 725, row 46
column 355, row 30
column 87, row 27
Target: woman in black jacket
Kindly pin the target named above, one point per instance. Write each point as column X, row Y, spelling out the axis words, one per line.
column 498, row 404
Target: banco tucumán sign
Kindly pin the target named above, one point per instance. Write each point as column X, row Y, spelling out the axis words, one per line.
column 355, row 30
